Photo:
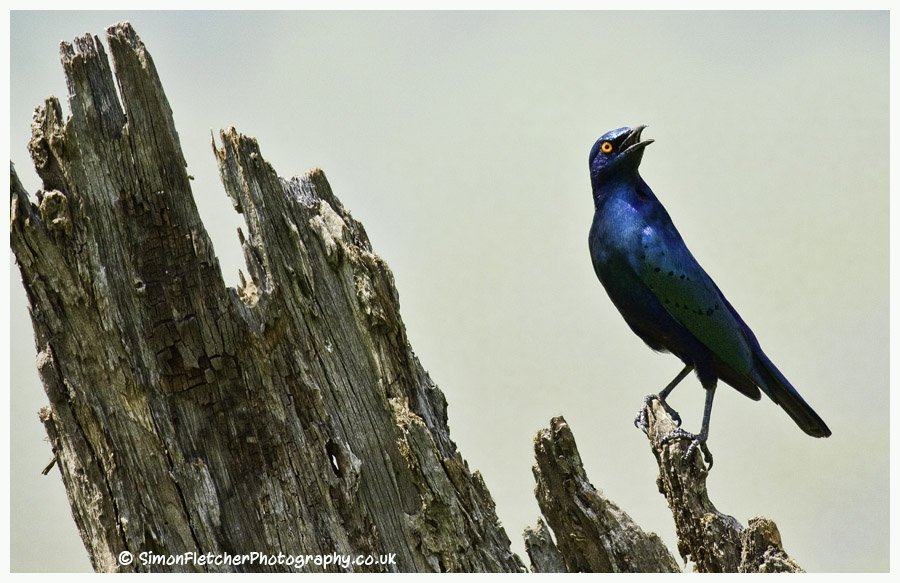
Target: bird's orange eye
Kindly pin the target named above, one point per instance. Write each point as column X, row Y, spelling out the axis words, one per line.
column 606, row 147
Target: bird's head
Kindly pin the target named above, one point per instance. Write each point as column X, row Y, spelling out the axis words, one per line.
column 617, row 154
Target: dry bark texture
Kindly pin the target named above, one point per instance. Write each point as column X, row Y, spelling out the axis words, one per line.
column 542, row 551
column 593, row 534
column 289, row 415
column 761, row 549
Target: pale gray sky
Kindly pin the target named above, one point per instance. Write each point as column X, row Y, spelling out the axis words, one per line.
column 460, row 140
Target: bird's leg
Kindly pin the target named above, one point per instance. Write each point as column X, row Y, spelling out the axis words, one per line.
column 665, row 393
column 640, row 420
column 698, row 440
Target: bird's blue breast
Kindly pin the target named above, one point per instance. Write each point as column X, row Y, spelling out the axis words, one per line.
column 615, row 233
column 614, row 236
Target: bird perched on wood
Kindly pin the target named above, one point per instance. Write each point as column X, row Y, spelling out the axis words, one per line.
column 667, row 299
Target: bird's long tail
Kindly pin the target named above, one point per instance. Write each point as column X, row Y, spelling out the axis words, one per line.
column 782, row 392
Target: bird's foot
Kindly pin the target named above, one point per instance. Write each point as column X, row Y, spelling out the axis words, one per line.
column 697, row 442
column 640, row 420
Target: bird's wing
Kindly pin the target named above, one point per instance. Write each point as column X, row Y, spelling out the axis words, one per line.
column 688, row 294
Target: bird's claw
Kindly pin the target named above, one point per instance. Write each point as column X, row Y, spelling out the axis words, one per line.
column 640, row 420
column 697, row 442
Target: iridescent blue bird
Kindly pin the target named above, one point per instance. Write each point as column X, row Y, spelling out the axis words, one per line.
column 667, row 299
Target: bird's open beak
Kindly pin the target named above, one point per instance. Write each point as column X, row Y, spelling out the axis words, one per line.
column 632, row 141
